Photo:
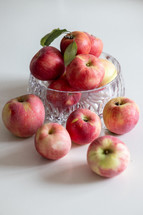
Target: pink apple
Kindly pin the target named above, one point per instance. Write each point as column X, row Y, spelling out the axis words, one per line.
column 85, row 72
column 83, row 126
column 81, row 39
column 110, row 72
column 23, row 115
column 47, row 64
column 64, row 97
column 52, row 141
column 120, row 115
column 96, row 45
column 108, row 156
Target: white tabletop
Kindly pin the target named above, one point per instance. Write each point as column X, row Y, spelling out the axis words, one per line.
column 31, row 185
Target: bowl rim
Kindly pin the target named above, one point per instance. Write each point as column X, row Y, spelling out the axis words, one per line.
column 85, row 91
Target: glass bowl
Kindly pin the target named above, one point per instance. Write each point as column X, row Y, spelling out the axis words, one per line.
column 59, row 104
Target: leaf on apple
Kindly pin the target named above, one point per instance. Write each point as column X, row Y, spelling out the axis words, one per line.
column 70, row 53
column 50, row 37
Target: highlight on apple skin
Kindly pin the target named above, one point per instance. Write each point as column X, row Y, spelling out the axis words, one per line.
column 120, row 115
column 82, row 41
column 83, row 126
column 108, row 156
column 23, row 115
column 110, row 72
column 47, row 64
column 52, row 141
column 85, row 72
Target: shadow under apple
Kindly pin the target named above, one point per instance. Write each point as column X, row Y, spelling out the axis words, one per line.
column 71, row 175
column 22, row 154
column 107, row 132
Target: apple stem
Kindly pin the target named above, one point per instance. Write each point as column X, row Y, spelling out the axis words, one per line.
column 89, row 63
column 50, row 131
column 85, row 119
column 117, row 103
column 21, row 99
column 106, row 151
column 70, row 36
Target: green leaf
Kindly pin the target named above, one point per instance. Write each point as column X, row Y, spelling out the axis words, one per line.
column 48, row 38
column 70, row 53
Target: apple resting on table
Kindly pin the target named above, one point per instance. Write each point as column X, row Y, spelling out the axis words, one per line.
column 108, row 156
column 120, row 115
column 52, row 141
column 83, row 126
column 47, row 64
column 23, row 115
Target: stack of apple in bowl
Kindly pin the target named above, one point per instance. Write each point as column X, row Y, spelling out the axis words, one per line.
column 78, row 76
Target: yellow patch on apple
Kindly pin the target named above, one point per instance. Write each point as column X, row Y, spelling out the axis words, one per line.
column 26, row 106
column 110, row 72
column 75, row 120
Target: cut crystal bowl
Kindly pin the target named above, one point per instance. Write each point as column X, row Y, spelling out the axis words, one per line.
column 94, row 100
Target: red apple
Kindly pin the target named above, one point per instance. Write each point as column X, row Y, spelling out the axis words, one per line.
column 83, row 126
column 81, row 39
column 96, row 45
column 85, row 72
column 120, row 115
column 52, row 141
column 66, row 97
column 23, row 115
column 108, row 156
column 47, row 64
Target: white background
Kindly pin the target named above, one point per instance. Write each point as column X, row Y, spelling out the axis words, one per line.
column 31, row 185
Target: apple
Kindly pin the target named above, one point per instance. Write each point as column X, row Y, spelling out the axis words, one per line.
column 83, row 126
column 120, row 115
column 52, row 141
column 23, row 115
column 81, row 39
column 47, row 64
column 65, row 98
column 110, row 72
column 85, row 72
column 108, row 156
column 96, row 45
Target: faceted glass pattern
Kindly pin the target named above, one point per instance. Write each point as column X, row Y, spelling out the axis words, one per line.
column 93, row 100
